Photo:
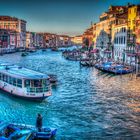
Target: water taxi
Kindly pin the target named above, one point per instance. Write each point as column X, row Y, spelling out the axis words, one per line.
column 24, row 83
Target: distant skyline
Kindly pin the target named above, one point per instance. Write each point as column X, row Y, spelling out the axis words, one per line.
column 70, row 17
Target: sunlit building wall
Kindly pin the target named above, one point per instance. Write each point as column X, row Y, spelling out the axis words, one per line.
column 77, row 39
column 138, row 29
column 120, row 42
column 133, row 12
column 88, row 35
column 29, row 40
column 8, row 40
column 104, row 34
column 17, row 25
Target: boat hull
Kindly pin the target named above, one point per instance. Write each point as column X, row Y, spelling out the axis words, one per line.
column 18, row 93
column 120, row 72
column 86, row 64
column 24, row 131
column 73, row 59
column 116, row 71
column 37, row 99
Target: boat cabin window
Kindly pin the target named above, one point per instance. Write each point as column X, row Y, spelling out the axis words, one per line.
column 0, row 76
column 19, row 82
column 45, row 82
column 11, row 80
column 27, row 83
column 36, row 83
column 5, row 78
column 14, row 81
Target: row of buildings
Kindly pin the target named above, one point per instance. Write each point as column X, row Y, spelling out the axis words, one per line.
column 47, row 40
column 117, row 34
column 13, row 35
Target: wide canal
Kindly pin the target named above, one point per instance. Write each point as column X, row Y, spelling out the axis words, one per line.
column 85, row 105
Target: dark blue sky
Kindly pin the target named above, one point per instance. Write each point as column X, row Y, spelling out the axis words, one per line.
column 70, row 17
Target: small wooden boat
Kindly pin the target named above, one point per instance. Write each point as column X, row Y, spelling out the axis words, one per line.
column 32, row 51
column 73, row 58
column 43, row 50
column 24, row 54
column 54, row 49
column 87, row 63
column 53, row 79
column 21, row 50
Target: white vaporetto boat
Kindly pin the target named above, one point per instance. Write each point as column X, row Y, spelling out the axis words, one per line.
column 24, row 83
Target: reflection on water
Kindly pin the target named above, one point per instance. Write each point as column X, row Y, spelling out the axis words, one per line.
column 85, row 105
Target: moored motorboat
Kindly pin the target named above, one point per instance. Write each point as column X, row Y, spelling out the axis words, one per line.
column 32, row 51
column 120, row 69
column 15, row 131
column 73, row 58
column 46, row 134
column 24, row 83
column 113, row 68
column 73, row 55
column 43, row 50
column 87, row 63
column 24, row 54
column 103, row 66
column 53, row 79
column 54, row 49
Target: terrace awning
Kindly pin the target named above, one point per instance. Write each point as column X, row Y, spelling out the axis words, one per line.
column 94, row 51
column 131, row 54
column 106, row 51
column 138, row 53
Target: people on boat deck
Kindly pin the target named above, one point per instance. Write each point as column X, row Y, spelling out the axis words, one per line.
column 39, row 122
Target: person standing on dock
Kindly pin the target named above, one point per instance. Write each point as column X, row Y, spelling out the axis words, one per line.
column 39, row 122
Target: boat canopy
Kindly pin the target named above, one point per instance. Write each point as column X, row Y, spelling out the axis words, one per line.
column 131, row 54
column 107, row 63
column 106, row 51
column 21, row 73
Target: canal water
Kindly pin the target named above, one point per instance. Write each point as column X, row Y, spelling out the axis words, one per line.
column 86, row 104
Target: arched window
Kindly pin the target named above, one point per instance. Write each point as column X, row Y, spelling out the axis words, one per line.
column 124, row 29
column 124, row 40
column 118, row 40
column 121, row 40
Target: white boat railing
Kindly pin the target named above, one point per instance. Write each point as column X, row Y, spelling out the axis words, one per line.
column 38, row 89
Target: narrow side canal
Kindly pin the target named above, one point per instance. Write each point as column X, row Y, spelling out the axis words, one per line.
column 85, row 105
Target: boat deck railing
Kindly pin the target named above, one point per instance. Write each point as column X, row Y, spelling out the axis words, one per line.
column 38, row 89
